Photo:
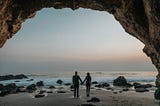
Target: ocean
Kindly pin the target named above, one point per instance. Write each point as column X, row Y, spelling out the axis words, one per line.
column 99, row 76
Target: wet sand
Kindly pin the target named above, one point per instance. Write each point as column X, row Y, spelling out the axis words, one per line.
column 107, row 98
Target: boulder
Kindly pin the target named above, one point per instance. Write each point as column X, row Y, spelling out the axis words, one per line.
column 157, row 94
column 21, row 89
column 61, row 91
column 21, row 76
column 12, row 88
column 94, row 82
column 72, row 87
column 39, row 95
column 11, row 77
column 120, row 81
column 1, row 87
column 49, row 91
column 125, row 89
column 94, row 99
column 42, row 91
column 138, row 85
column 102, row 85
column 67, row 84
column 31, row 87
column 30, row 80
column 51, row 87
column 40, row 83
column 4, row 92
column 141, row 90
column 59, row 82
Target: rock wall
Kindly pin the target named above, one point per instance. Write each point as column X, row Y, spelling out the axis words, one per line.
column 140, row 18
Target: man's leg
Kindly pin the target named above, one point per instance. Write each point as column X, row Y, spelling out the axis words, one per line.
column 87, row 91
column 77, row 92
column 74, row 92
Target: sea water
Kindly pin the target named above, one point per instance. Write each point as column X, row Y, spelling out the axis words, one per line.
column 99, row 76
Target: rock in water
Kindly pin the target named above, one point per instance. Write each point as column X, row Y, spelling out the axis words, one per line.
column 11, row 77
column 1, row 87
column 67, row 84
column 141, row 90
column 40, row 83
column 94, row 99
column 39, row 95
column 120, row 81
column 59, row 82
column 157, row 94
column 102, row 85
column 94, row 82
column 31, row 87
column 11, row 87
column 52, row 87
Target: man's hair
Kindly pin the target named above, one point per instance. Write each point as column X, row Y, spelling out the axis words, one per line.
column 76, row 72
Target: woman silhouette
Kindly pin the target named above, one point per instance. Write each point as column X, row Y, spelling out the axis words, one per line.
column 88, row 84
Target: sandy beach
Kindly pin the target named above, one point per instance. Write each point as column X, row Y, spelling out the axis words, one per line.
column 117, row 97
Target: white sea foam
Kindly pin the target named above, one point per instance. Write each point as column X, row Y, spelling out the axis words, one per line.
column 66, row 77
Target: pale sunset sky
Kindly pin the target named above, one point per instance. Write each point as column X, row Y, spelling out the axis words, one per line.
column 66, row 40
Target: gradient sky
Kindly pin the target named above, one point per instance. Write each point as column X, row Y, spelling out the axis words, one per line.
column 65, row 40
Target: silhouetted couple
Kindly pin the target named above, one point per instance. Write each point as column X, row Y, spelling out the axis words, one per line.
column 76, row 80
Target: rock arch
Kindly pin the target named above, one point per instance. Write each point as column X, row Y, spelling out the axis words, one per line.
column 140, row 18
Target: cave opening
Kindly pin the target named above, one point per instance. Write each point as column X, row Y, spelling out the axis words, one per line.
column 67, row 40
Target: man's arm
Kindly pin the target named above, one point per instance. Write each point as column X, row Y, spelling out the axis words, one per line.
column 73, row 79
column 80, row 79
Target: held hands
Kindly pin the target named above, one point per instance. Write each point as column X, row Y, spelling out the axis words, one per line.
column 82, row 83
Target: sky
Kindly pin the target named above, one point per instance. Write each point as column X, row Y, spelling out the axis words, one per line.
column 66, row 40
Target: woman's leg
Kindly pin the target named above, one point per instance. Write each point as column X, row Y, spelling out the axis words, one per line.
column 87, row 91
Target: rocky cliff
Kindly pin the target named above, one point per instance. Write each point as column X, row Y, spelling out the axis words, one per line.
column 140, row 18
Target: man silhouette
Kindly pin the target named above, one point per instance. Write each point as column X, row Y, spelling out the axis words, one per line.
column 75, row 81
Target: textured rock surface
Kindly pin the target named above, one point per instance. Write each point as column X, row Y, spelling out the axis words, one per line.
column 140, row 18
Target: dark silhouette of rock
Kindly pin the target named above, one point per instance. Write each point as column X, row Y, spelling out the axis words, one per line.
column 141, row 90
column 42, row 91
column 21, row 89
column 11, row 77
column 67, row 84
column 121, row 81
column 1, row 87
column 59, row 82
column 9, row 88
column 31, row 87
column 4, row 92
column 157, row 94
column 17, row 81
column 138, row 85
column 39, row 95
column 109, row 88
column 71, row 87
column 94, row 99
column 30, row 80
column 49, row 91
column 94, row 82
column 12, row 88
column 102, row 85
column 61, row 91
column 51, row 87
column 125, row 89
column 115, row 92
column 40, row 83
